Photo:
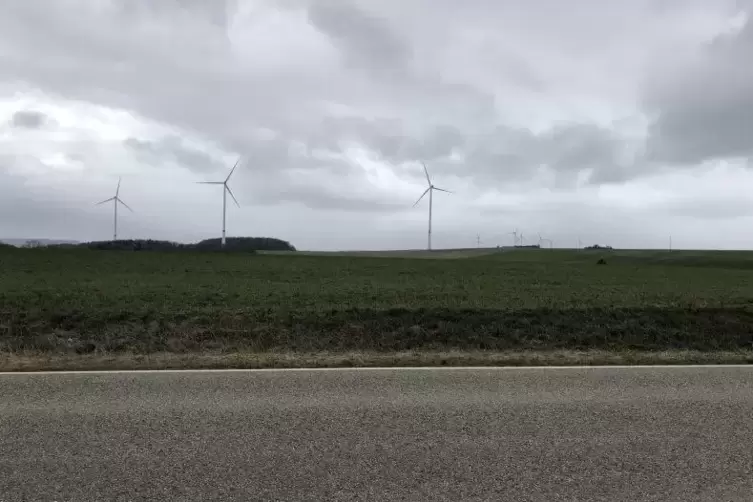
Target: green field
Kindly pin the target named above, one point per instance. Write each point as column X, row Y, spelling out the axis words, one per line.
column 68, row 302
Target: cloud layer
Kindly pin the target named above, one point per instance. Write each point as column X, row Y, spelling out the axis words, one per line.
column 609, row 120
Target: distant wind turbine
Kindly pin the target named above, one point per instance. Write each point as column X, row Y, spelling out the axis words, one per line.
column 478, row 240
column 542, row 240
column 115, row 201
column 225, row 190
column 514, row 237
column 430, row 190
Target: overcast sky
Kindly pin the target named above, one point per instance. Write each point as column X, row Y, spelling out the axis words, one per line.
column 619, row 122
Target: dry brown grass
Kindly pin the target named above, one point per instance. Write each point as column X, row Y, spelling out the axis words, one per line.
column 171, row 361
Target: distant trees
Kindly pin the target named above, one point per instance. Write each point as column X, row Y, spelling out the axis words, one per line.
column 133, row 245
column 245, row 244
column 596, row 246
column 238, row 244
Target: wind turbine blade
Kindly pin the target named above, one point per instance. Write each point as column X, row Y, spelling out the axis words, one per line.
column 441, row 189
column 231, row 195
column 232, row 170
column 426, row 172
column 126, row 205
column 106, row 200
column 422, row 196
column 210, row 182
column 117, row 190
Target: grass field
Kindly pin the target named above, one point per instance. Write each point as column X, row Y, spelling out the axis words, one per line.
column 81, row 302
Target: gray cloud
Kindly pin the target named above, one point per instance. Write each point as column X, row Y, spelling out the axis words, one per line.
column 173, row 149
column 218, row 13
column 425, row 115
column 366, row 39
column 390, row 139
column 493, row 92
column 565, row 151
column 704, row 110
column 28, row 119
column 331, row 200
column 498, row 155
column 710, row 208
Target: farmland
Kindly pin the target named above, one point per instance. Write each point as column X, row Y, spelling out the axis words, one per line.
column 77, row 302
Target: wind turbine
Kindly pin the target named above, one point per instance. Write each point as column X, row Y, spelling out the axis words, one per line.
column 541, row 239
column 430, row 190
column 115, row 201
column 514, row 237
column 478, row 240
column 225, row 190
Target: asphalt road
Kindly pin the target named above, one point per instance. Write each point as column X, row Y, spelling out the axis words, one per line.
column 682, row 434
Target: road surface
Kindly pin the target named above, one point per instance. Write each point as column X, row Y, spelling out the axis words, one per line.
column 681, row 434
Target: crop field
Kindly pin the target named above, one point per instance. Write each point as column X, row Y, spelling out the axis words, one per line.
column 59, row 301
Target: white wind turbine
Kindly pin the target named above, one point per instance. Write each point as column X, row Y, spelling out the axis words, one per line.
column 225, row 190
column 542, row 240
column 430, row 191
column 115, row 201
column 514, row 234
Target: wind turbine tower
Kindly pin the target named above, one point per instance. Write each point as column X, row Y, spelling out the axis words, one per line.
column 225, row 190
column 514, row 237
column 543, row 240
column 430, row 190
column 115, row 201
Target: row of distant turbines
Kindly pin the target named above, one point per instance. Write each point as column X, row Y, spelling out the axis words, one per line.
column 518, row 238
column 225, row 191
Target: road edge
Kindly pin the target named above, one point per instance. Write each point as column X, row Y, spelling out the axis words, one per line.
column 27, row 362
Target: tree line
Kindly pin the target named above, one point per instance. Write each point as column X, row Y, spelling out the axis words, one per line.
column 240, row 244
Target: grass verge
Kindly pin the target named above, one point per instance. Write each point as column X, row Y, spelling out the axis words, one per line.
column 169, row 361
column 395, row 330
